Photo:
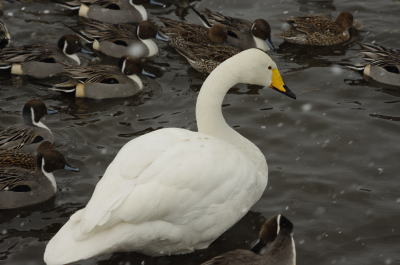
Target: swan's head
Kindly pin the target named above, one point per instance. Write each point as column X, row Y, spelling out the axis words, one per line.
column 257, row 68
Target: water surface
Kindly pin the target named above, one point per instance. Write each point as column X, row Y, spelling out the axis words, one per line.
column 333, row 153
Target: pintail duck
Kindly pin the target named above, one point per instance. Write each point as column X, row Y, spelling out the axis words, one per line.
column 5, row 36
column 41, row 61
column 104, row 81
column 204, row 48
column 119, row 40
column 319, row 30
column 245, row 34
column 111, row 11
column 382, row 64
column 275, row 246
column 179, row 31
column 32, row 132
column 27, row 180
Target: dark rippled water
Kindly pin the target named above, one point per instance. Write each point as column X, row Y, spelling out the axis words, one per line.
column 333, row 153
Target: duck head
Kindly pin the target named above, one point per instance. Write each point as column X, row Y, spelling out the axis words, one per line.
column 345, row 20
column 277, row 225
column 70, row 45
column 50, row 160
column 217, row 33
column 132, row 66
column 33, row 111
column 146, row 30
column 262, row 30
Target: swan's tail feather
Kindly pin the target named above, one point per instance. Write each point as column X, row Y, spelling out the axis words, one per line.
column 63, row 248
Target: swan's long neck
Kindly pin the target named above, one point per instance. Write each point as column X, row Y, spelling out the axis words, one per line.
column 209, row 106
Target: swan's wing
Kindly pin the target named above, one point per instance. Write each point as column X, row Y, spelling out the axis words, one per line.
column 165, row 177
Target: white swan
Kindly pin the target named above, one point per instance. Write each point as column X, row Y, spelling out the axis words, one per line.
column 172, row 191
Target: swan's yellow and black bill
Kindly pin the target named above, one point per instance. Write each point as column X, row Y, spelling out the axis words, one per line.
column 278, row 85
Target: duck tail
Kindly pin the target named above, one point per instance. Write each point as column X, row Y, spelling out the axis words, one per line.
column 66, row 87
column 202, row 18
column 70, row 5
column 5, row 66
column 82, row 34
column 354, row 67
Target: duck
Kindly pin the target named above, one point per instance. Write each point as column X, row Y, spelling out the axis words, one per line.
column 275, row 246
column 111, row 11
column 5, row 37
column 30, row 134
column 178, row 31
column 245, row 33
column 203, row 48
column 382, row 64
column 105, row 81
column 117, row 40
column 41, row 60
column 26, row 179
column 173, row 190
column 319, row 30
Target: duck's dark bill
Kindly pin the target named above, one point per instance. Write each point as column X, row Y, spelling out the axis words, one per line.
column 69, row 168
column 156, row 3
column 52, row 111
column 270, row 44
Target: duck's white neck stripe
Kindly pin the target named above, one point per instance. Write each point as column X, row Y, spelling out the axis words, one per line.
column 123, row 66
column 72, row 56
column 137, row 80
column 39, row 123
column 293, row 250
column 261, row 44
column 278, row 226
column 142, row 11
column 49, row 176
column 151, row 46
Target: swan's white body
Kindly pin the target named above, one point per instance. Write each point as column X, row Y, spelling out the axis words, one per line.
column 172, row 191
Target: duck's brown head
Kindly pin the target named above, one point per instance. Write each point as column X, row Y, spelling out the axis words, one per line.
column 33, row 111
column 277, row 225
column 130, row 65
column 345, row 20
column 261, row 29
column 147, row 30
column 217, row 33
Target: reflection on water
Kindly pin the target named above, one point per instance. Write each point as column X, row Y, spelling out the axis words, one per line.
column 332, row 154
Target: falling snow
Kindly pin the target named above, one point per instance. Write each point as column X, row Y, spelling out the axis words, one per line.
column 306, row 107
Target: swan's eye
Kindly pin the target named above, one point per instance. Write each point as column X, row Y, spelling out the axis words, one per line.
column 269, row 67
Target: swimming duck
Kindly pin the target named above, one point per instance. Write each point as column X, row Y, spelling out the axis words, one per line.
column 41, row 61
column 32, row 132
column 246, row 34
column 179, row 31
column 5, row 36
column 27, row 180
column 204, row 48
column 117, row 40
column 111, row 11
column 172, row 190
column 275, row 246
column 105, row 81
column 319, row 30
column 383, row 64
